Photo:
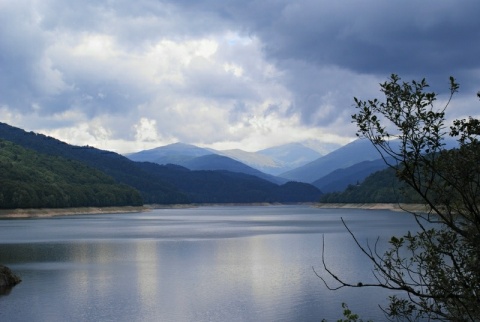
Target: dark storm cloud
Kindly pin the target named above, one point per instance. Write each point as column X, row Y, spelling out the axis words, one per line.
column 414, row 38
column 378, row 36
column 275, row 59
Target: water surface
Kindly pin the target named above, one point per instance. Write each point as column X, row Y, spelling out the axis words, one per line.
column 199, row 264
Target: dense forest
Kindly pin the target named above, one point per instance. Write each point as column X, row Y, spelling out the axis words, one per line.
column 379, row 187
column 222, row 186
column 152, row 189
column 33, row 180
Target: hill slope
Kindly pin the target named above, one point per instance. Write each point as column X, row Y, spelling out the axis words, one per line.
column 219, row 162
column 340, row 179
column 176, row 153
column 231, row 187
column 291, row 156
column 123, row 170
column 346, row 156
column 32, row 180
column 379, row 187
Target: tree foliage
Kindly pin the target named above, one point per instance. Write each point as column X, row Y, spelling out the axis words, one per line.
column 436, row 270
column 32, row 180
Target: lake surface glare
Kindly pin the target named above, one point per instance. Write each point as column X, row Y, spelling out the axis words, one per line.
column 198, row 264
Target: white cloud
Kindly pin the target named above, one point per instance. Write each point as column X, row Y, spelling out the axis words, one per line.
column 130, row 75
column 145, row 130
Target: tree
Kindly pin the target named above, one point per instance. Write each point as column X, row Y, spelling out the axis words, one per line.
column 437, row 268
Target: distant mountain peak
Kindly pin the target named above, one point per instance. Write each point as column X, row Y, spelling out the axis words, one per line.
column 321, row 147
column 292, row 155
column 178, row 146
column 175, row 153
column 349, row 154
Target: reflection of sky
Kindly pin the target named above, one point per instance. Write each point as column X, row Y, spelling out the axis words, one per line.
column 173, row 270
column 147, row 273
column 91, row 278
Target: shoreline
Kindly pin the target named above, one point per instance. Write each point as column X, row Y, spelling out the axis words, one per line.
column 54, row 212
column 375, row 206
column 21, row 213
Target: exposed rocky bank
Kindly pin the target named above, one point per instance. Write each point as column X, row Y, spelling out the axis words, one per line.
column 7, row 279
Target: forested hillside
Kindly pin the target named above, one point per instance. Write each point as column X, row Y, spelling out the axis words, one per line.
column 225, row 186
column 29, row 179
column 152, row 189
column 338, row 180
column 379, row 187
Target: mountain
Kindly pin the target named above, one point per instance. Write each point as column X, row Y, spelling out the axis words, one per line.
column 380, row 183
column 195, row 158
column 379, row 187
column 279, row 159
column 33, row 180
column 321, row 147
column 167, row 184
column 258, row 161
column 176, row 153
column 291, row 156
column 340, row 179
column 271, row 161
column 219, row 162
column 231, row 187
column 346, row 156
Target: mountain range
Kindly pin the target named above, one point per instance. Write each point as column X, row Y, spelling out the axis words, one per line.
column 334, row 171
column 163, row 184
column 273, row 161
column 344, row 157
column 183, row 173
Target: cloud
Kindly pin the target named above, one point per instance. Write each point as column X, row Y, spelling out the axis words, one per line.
column 374, row 36
column 128, row 75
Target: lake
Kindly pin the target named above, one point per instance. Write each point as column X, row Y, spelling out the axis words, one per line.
column 199, row 264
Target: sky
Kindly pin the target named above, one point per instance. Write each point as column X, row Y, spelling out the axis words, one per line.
column 127, row 75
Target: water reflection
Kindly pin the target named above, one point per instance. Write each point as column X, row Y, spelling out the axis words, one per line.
column 148, row 269
column 206, row 264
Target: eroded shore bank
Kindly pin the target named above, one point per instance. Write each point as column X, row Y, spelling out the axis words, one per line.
column 7, row 279
column 375, row 206
column 52, row 212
